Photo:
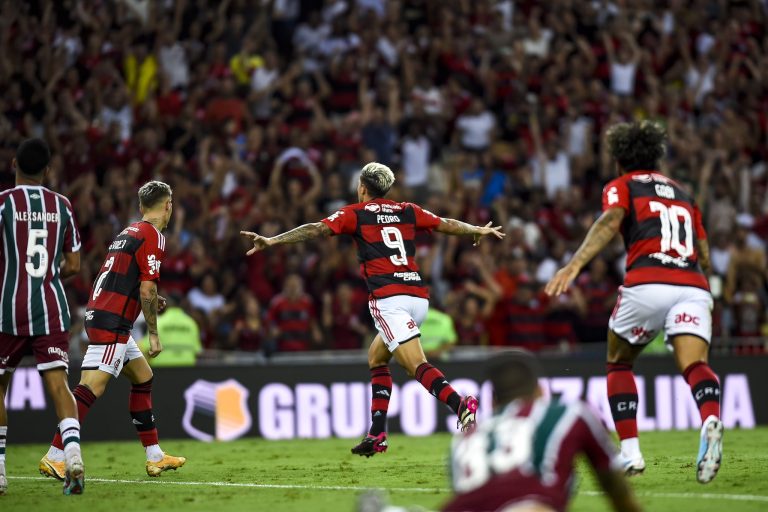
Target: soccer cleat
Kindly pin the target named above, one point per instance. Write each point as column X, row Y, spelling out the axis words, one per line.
column 74, row 479
column 371, row 445
column 632, row 466
column 166, row 463
column 467, row 410
column 710, row 450
column 52, row 468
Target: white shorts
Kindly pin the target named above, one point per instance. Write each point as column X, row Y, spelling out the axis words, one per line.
column 642, row 311
column 111, row 358
column 398, row 318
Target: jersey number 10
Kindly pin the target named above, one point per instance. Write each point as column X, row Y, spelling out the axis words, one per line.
column 670, row 228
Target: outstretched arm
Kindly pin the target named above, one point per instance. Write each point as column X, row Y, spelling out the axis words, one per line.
column 601, row 232
column 457, row 227
column 300, row 234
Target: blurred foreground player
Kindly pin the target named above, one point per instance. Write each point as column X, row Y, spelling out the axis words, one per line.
column 664, row 287
column 126, row 284
column 398, row 298
column 522, row 459
column 40, row 246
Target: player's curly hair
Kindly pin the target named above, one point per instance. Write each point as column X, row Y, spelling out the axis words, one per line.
column 377, row 178
column 152, row 192
column 637, row 146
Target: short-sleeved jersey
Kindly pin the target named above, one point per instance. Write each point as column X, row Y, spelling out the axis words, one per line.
column 385, row 232
column 660, row 229
column 526, row 452
column 134, row 256
column 38, row 227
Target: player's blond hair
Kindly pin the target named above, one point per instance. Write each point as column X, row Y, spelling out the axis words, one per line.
column 377, row 178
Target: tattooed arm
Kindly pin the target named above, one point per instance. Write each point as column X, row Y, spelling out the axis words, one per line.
column 294, row 236
column 149, row 306
column 457, row 227
column 601, row 232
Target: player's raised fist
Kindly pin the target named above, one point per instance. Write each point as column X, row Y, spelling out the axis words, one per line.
column 155, row 347
column 259, row 242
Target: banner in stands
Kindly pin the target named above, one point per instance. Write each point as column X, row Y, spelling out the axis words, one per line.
column 322, row 400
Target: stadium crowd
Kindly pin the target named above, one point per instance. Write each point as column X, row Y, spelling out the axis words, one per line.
column 259, row 115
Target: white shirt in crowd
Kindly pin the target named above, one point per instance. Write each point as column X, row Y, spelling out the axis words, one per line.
column 476, row 130
column 578, row 134
column 205, row 303
column 415, row 153
column 557, row 173
column 538, row 47
column 308, row 38
column 173, row 60
column 123, row 117
column 623, row 78
column 261, row 79
column 701, row 83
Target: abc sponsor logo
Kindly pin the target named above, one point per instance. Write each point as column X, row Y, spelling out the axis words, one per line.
column 685, row 318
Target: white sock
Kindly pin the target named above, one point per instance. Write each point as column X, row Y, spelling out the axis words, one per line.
column 55, row 454
column 154, row 453
column 70, row 436
column 3, row 433
column 630, row 447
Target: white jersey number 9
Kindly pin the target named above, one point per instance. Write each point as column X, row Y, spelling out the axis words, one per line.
column 393, row 239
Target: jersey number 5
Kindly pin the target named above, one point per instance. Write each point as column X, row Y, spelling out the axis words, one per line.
column 100, row 281
column 393, row 239
column 670, row 228
column 36, row 247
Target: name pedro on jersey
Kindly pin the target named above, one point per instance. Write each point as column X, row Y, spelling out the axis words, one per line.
column 36, row 217
column 387, row 219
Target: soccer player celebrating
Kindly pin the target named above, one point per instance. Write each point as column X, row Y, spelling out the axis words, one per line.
column 398, row 299
column 126, row 284
column 664, row 287
column 40, row 245
column 522, row 459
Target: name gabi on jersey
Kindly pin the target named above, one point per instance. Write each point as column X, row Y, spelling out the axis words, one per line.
column 408, row 276
column 666, row 259
column 388, row 219
column 117, row 245
column 36, row 217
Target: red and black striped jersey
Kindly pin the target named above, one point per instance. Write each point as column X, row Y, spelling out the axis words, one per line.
column 526, row 452
column 38, row 227
column 385, row 232
column 134, row 256
column 660, row 229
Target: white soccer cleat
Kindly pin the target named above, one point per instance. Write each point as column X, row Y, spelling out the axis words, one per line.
column 74, row 480
column 632, row 465
column 710, row 450
column 3, row 481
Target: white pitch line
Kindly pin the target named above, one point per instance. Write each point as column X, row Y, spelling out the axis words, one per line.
column 244, row 484
column 674, row 495
column 688, row 495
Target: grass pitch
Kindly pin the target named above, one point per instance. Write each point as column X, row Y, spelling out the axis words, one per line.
column 321, row 475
